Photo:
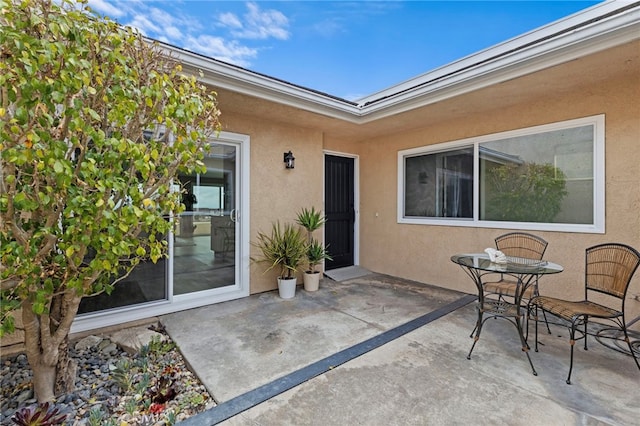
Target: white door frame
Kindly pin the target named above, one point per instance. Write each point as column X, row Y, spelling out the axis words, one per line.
column 208, row 297
column 356, row 198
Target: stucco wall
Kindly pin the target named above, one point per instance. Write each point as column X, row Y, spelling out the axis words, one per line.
column 277, row 193
column 422, row 253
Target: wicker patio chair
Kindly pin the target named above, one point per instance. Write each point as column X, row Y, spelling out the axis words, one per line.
column 518, row 244
column 609, row 269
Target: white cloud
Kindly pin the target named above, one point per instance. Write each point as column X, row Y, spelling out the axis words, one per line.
column 219, row 48
column 173, row 32
column 144, row 25
column 256, row 23
column 219, row 39
column 105, row 8
column 330, row 28
column 229, row 20
column 157, row 23
column 163, row 18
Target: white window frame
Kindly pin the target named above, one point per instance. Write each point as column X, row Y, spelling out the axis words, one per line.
column 598, row 225
column 173, row 303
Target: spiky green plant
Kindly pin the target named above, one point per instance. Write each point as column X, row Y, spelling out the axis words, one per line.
column 170, row 418
column 160, row 346
column 131, row 406
column 96, row 417
column 143, row 384
column 284, row 248
column 311, row 220
column 316, row 253
column 122, row 375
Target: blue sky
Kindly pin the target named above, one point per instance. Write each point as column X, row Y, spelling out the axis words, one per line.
column 348, row 49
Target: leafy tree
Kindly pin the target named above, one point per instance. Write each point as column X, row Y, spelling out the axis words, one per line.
column 95, row 123
column 527, row 192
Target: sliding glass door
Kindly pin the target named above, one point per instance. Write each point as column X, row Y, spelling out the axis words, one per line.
column 205, row 243
column 204, row 264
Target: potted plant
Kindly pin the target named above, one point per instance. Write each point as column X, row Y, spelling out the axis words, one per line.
column 285, row 248
column 316, row 253
column 311, row 220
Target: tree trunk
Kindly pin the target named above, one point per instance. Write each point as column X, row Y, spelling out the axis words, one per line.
column 66, row 369
column 44, row 377
column 47, row 342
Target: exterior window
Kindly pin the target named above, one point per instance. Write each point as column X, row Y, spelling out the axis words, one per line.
column 440, row 184
column 545, row 178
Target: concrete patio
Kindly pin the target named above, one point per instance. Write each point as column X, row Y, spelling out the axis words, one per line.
column 269, row 361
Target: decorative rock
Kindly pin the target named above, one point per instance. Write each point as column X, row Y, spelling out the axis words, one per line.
column 111, row 348
column 96, row 389
column 104, row 343
column 132, row 339
column 24, row 396
column 88, row 342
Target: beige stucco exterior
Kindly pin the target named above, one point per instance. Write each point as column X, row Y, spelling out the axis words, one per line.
column 606, row 82
column 422, row 253
column 277, row 194
column 583, row 67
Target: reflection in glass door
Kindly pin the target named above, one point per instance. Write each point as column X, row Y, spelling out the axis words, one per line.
column 205, row 238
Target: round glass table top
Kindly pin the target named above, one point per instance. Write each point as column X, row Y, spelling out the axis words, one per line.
column 514, row 265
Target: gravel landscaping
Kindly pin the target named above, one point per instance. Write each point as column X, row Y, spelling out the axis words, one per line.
column 153, row 386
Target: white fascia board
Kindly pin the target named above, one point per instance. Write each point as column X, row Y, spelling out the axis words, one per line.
column 499, row 50
column 226, row 76
column 453, row 80
column 530, row 52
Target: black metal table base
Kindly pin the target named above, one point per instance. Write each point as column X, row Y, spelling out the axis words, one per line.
column 504, row 310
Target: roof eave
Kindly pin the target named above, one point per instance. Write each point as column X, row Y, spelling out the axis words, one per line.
column 598, row 28
column 226, row 76
column 459, row 78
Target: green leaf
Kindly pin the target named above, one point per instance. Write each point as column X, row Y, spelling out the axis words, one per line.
column 58, row 166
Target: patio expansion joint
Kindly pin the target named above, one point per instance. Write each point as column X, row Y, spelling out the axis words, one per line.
column 237, row 405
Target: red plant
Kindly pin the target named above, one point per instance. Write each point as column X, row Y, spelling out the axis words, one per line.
column 156, row 408
column 38, row 415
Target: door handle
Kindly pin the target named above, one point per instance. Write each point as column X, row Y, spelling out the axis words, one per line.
column 233, row 215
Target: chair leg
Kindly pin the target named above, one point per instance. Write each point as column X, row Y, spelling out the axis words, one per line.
column 536, row 292
column 544, row 315
column 586, row 320
column 475, row 340
column 536, row 321
column 572, row 342
column 536, row 317
column 628, row 340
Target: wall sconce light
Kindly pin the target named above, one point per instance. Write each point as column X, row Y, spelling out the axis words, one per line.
column 289, row 160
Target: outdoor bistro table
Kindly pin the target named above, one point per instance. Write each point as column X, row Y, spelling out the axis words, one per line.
column 525, row 272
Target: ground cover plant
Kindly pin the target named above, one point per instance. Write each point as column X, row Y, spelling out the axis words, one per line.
column 151, row 386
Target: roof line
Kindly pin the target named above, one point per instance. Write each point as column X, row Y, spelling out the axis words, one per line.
column 256, row 73
column 508, row 52
column 600, row 27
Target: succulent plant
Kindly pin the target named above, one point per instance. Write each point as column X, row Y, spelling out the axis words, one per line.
column 38, row 415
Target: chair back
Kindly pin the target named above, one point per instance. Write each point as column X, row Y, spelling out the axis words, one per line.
column 610, row 267
column 521, row 244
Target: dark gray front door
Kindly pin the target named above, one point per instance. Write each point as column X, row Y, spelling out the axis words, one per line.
column 340, row 210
